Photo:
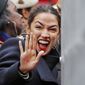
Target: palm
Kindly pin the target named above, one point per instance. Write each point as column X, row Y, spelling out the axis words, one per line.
column 29, row 58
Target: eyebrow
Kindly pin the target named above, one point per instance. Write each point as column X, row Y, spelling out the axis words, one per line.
column 49, row 26
column 39, row 22
column 54, row 26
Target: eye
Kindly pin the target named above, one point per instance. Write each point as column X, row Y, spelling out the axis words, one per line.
column 53, row 29
column 38, row 27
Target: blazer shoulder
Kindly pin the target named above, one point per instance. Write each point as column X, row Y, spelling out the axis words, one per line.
column 10, row 43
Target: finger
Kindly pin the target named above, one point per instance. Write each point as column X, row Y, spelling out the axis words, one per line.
column 21, row 47
column 27, row 30
column 26, row 42
column 33, row 52
column 31, row 41
column 39, row 55
column 34, row 42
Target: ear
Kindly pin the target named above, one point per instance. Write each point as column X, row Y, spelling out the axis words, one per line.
column 59, row 37
column 59, row 34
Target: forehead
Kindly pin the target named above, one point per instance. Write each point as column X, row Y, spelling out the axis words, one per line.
column 46, row 17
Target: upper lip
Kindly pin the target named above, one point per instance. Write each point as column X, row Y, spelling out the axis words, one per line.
column 42, row 41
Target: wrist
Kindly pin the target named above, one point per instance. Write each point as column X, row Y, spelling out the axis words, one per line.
column 24, row 75
column 23, row 71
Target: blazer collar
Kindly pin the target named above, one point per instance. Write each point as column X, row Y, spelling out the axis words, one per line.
column 44, row 72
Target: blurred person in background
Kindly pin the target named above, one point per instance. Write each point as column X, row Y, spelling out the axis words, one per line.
column 10, row 20
column 57, row 6
column 24, row 7
column 52, row 2
column 55, row 3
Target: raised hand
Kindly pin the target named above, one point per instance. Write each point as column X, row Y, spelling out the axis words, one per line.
column 28, row 58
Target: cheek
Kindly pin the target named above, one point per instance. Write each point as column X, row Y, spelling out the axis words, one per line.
column 36, row 32
column 54, row 39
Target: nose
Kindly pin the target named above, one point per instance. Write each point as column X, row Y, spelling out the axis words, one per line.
column 45, row 34
column 19, row 15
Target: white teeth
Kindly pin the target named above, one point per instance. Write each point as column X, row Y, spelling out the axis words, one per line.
column 43, row 42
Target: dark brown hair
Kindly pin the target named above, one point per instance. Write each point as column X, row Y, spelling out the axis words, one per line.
column 40, row 8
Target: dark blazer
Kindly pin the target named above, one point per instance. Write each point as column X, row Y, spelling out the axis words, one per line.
column 9, row 62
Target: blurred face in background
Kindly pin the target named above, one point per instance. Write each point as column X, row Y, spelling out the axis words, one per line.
column 46, row 29
column 15, row 17
column 25, row 13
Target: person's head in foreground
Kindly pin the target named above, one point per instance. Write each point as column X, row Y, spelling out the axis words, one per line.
column 44, row 22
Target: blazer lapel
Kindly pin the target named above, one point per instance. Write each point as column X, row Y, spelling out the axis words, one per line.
column 44, row 72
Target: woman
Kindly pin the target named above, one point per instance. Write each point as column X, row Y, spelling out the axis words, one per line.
column 10, row 21
column 33, row 61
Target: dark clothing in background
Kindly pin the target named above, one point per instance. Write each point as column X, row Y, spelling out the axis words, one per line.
column 4, row 36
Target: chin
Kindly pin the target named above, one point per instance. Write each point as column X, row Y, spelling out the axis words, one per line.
column 45, row 52
column 44, row 48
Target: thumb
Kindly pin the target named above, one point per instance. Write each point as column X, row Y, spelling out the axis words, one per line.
column 39, row 55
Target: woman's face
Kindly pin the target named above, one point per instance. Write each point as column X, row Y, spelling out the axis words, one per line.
column 46, row 29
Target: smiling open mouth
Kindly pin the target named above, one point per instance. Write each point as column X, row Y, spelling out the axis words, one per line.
column 43, row 44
